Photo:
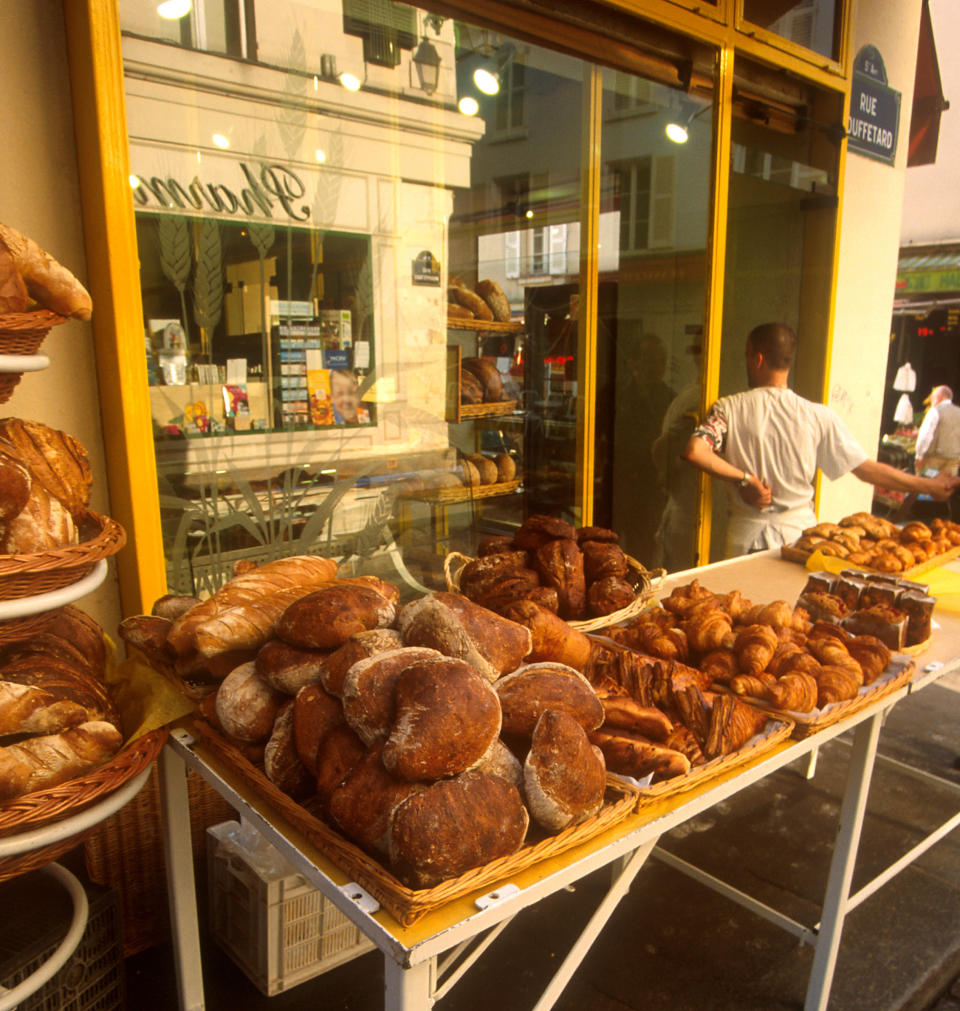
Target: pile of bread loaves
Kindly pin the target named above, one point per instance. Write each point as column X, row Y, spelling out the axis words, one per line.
column 30, row 278
column 56, row 719
column 45, row 483
column 577, row 573
column 480, row 382
column 876, row 543
column 772, row 652
column 486, row 301
column 431, row 734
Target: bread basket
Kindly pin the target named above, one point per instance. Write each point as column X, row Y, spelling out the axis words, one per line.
column 644, row 581
column 41, row 571
column 22, row 333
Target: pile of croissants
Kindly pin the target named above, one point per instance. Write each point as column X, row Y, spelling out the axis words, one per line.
column 878, row 544
column 772, row 652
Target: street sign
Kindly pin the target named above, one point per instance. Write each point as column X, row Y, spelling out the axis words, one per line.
column 874, row 109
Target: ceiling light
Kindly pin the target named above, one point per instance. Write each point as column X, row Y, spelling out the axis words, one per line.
column 468, row 105
column 220, row 140
column 487, row 82
column 350, row 81
column 174, row 9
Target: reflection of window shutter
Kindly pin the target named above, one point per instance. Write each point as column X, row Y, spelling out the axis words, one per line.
column 661, row 202
column 511, row 253
column 558, row 249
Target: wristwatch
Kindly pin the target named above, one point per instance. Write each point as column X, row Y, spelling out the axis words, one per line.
column 745, row 481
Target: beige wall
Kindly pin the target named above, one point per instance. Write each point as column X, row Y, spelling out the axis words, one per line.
column 869, row 241
column 39, row 195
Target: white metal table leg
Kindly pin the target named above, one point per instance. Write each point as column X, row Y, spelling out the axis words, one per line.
column 181, row 885
column 408, row 989
column 841, row 866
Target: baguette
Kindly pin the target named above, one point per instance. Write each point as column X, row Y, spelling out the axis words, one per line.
column 25, row 709
column 46, row 280
column 42, row 762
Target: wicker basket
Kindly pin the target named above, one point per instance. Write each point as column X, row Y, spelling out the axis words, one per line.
column 644, row 581
column 41, row 571
column 407, row 905
column 22, row 333
column 42, row 807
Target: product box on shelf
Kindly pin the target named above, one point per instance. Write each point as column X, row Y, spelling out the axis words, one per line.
column 277, row 927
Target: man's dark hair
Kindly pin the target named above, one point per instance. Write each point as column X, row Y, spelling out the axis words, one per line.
column 776, row 342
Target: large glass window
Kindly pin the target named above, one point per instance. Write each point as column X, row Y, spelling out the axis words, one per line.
column 813, row 24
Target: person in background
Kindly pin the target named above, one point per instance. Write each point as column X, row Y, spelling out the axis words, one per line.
column 345, row 396
column 938, row 440
column 767, row 444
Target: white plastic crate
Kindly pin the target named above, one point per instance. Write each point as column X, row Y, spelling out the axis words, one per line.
column 277, row 927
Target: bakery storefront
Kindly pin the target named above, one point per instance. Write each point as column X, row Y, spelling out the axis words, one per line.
column 407, row 277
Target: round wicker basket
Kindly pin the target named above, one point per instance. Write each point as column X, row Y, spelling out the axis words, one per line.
column 26, row 575
column 22, row 333
column 644, row 582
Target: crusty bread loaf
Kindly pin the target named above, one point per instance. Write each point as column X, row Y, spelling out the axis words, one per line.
column 489, row 376
column 364, row 802
column 13, row 291
column 281, row 762
column 560, row 564
column 506, row 467
column 479, row 574
column 358, row 647
column 457, row 311
column 471, row 473
column 15, row 484
column 455, row 825
column 172, row 605
column 609, row 594
column 146, row 632
column 520, row 584
column 247, row 705
column 564, row 774
column 472, row 301
column 43, row 524
column 471, row 389
column 298, row 570
column 56, row 460
column 501, row 761
column 41, row 762
column 26, row 709
column 288, row 668
column 338, row 755
column 531, row 690
column 199, row 675
column 553, row 638
column 602, row 558
column 447, row 717
column 496, row 544
column 62, row 677
column 46, row 280
column 602, row 534
column 486, row 468
column 538, row 528
column 369, row 690
column 493, row 295
column 457, row 627
column 315, row 714
column 327, row 617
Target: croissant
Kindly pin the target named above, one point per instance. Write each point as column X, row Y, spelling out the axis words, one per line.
column 795, row 691
column 823, row 530
column 905, row 556
column 778, row 664
column 915, row 531
column 834, row 684
column 682, row 598
column 833, row 548
column 860, row 557
column 777, row 614
column 827, row 649
column 872, row 655
column 801, row 662
column 735, row 604
column 708, row 627
column 721, row 664
column 755, row 685
column 755, row 646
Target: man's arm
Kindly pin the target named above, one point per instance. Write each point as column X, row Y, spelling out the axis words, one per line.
column 700, row 453
column 883, row 475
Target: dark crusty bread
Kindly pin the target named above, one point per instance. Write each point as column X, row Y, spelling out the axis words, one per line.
column 482, row 573
column 358, row 647
column 457, row 627
column 488, row 375
column 15, row 484
column 560, row 564
column 609, row 594
column 485, row 466
column 472, row 301
column 455, row 825
column 247, row 705
column 534, row 688
column 172, row 605
column 553, row 638
column 365, row 800
column 369, row 690
column 518, row 585
column 471, row 389
column 564, row 774
column 281, row 762
column 288, row 668
column 603, row 558
column 538, row 528
column 447, row 717
column 493, row 295
column 506, row 467
column 56, row 461
column 338, row 754
column 602, row 534
column 501, row 761
column 496, row 544
column 315, row 714
column 327, row 617
column 146, row 632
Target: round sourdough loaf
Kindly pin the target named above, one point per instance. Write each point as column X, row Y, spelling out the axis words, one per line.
column 358, row 647
column 247, row 705
column 501, row 761
column 454, row 825
column 281, row 762
column 326, row 618
column 531, row 690
column 447, row 717
column 315, row 714
column 288, row 668
column 369, row 690
column 564, row 774
column 460, row 628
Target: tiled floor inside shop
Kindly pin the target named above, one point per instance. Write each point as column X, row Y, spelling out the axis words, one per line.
column 674, row 945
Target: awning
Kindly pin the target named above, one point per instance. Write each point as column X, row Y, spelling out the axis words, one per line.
column 924, row 273
column 928, row 100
